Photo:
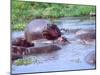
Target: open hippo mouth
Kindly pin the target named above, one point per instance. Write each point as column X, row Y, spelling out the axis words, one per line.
column 52, row 32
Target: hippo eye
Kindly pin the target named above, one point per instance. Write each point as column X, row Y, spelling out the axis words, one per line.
column 54, row 25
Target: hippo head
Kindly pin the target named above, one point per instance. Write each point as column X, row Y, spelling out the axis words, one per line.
column 52, row 32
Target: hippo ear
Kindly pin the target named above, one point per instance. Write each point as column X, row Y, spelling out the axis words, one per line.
column 54, row 25
column 48, row 25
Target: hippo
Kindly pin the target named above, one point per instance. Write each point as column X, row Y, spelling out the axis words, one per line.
column 62, row 41
column 20, row 41
column 79, row 32
column 87, row 38
column 41, row 29
column 43, row 49
column 18, row 52
column 90, row 58
column 35, row 30
column 64, row 30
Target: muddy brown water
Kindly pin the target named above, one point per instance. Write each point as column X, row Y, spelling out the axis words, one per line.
column 69, row 57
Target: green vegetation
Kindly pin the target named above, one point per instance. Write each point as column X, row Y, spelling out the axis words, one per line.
column 24, row 12
column 23, row 62
column 27, row 61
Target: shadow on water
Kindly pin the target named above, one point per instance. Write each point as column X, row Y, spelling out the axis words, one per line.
column 70, row 57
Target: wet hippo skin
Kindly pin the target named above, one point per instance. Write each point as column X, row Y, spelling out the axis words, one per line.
column 91, row 58
column 44, row 49
column 20, row 41
column 62, row 41
column 87, row 38
column 41, row 28
column 19, row 52
column 15, row 56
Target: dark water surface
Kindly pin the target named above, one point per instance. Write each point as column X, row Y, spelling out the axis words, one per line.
column 70, row 57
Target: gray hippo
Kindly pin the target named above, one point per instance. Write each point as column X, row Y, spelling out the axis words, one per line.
column 20, row 41
column 62, row 41
column 40, row 29
column 35, row 30
column 90, row 58
column 19, row 52
column 87, row 38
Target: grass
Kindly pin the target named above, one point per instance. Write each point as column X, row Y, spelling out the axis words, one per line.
column 24, row 12
column 23, row 62
column 27, row 61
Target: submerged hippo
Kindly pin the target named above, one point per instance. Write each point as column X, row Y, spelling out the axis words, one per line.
column 62, row 41
column 19, row 52
column 22, row 42
column 79, row 32
column 90, row 58
column 41, row 28
column 18, row 39
column 87, row 38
